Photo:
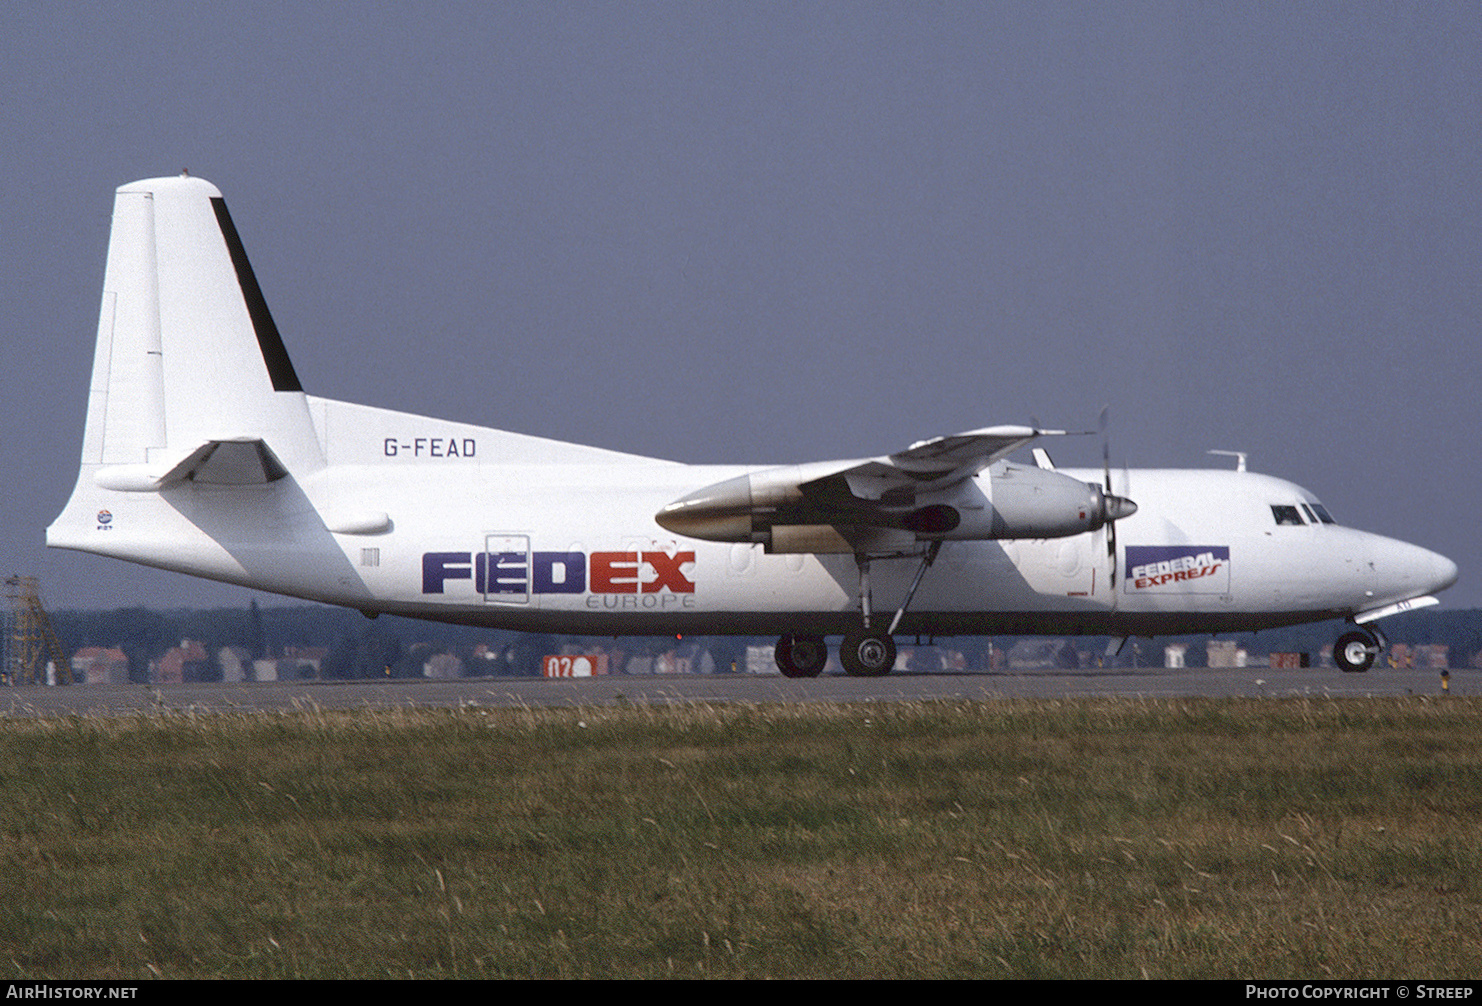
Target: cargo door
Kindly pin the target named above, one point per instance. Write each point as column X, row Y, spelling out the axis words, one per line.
column 502, row 573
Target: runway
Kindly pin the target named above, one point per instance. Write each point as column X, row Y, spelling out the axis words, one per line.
column 282, row 696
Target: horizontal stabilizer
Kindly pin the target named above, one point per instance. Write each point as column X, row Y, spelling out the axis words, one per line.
column 243, row 462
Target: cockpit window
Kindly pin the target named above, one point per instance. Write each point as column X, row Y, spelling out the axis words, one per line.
column 1322, row 513
column 1286, row 515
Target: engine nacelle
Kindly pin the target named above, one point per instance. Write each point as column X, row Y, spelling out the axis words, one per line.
column 842, row 514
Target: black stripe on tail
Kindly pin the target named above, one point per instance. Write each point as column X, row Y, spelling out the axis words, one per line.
column 280, row 368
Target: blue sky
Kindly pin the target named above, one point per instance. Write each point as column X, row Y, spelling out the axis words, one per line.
column 781, row 233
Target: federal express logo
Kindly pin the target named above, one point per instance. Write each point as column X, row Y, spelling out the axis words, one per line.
column 609, row 579
column 1178, row 569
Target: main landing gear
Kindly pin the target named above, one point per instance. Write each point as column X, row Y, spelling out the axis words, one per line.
column 865, row 653
column 801, row 656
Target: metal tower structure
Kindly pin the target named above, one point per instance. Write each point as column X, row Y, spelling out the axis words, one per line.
column 30, row 640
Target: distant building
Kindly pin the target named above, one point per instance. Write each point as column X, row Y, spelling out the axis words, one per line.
column 1435, row 656
column 306, row 661
column 761, row 660
column 1225, row 653
column 1288, row 661
column 298, row 663
column 236, row 663
column 671, row 662
column 96, row 665
column 186, row 662
column 1043, row 654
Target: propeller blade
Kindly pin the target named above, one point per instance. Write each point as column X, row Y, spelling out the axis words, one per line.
column 1109, row 502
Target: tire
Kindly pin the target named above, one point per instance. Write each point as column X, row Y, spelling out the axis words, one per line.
column 867, row 656
column 801, row 656
column 1355, row 652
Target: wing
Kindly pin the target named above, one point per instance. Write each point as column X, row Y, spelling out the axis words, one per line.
column 928, row 464
column 925, row 492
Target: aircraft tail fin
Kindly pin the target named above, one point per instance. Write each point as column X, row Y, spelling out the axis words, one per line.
column 187, row 354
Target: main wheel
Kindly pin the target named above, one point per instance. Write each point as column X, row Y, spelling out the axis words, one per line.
column 801, row 656
column 1355, row 652
column 867, row 656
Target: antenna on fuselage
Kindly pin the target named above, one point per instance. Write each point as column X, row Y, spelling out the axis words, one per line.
column 1239, row 457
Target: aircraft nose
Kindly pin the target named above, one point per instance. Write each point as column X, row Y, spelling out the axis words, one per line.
column 1443, row 572
column 1414, row 570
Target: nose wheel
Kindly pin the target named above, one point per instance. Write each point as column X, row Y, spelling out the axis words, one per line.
column 1355, row 652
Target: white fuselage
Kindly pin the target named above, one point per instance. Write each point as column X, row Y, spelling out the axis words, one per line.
column 438, row 520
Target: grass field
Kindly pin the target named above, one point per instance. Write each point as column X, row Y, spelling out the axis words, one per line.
column 1024, row 839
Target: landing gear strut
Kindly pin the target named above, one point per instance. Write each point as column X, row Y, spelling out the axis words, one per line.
column 801, row 656
column 870, row 653
column 1355, row 651
column 867, row 653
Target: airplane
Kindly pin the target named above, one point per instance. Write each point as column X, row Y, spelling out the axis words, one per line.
column 203, row 454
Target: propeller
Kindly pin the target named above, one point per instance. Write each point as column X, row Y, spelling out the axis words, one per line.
column 1113, row 507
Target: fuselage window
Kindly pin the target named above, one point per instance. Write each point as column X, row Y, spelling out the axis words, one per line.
column 1286, row 515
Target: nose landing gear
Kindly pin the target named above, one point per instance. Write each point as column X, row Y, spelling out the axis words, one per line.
column 1355, row 651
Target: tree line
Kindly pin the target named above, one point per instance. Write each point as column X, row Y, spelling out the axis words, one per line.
column 390, row 646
